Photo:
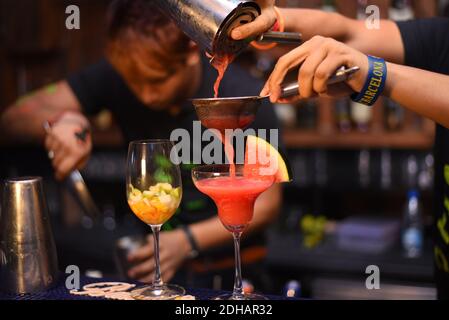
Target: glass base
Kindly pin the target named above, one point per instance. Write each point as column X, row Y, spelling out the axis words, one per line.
column 246, row 296
column 164, row 292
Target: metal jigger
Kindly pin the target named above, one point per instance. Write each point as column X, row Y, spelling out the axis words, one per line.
column 28, row 260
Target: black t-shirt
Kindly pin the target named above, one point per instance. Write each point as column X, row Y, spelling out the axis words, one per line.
column 426, row 45
column 100, row 86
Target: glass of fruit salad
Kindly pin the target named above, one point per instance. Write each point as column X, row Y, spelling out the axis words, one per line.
column 154, row 191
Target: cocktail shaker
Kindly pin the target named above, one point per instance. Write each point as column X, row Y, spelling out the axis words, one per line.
column 123, row 247
column 209, row 23
column 28, row 259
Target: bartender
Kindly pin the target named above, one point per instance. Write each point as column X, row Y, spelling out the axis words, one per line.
column 405, row 61
column 151, row 71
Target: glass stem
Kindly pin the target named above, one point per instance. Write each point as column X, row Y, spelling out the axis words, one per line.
column 157, row 275
column 238, row 285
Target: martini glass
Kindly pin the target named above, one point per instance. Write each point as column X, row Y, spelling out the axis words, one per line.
column 234, row 195
column 154, row 191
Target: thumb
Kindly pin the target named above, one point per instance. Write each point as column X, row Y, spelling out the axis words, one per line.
column 260, row 25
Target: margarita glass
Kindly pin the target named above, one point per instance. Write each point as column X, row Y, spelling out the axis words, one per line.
column 234, row 196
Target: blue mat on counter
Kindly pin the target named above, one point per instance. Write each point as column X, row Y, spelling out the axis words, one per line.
column 60, row 292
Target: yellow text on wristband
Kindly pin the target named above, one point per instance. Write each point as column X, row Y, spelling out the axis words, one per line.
column 375, row 82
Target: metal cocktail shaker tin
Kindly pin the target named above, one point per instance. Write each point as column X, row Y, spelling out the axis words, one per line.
column 209, row 22
column 123, row 247
column 28, row 259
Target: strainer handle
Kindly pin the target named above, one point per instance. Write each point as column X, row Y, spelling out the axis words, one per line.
column 280, row 37
column 342, row 74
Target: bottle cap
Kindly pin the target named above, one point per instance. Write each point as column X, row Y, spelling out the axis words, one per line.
column 413, row 194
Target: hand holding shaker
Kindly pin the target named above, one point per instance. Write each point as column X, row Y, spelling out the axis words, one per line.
column 209, row 23
column 28, row 261
column 123, row 247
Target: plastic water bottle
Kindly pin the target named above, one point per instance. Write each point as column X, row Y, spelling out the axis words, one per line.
column 412, row 232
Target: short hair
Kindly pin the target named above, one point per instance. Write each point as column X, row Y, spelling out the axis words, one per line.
column 135, row 20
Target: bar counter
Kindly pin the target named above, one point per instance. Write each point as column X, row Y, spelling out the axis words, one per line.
column 60, row 292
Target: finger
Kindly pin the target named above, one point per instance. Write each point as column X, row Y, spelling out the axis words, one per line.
column 291, row 100
column 166, row 257
column 66, row 166
column 326, row 70
column 292, row 59
column 141, row 270
column 167, row 272
column 48, row 142
column 166, row 262
column 143, row 253
column 307, row 72
column 83, row 162
column 147, row 279
column 51, row 143
column 260, row 25
column 59, row 156
column 265, row 90
column 284, row 65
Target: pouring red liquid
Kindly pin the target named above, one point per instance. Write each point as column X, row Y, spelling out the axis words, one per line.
column 220, row 61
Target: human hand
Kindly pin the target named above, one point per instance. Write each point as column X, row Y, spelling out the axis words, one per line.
column 174, row 248
column 69, row 143
column 260, row 25
column 319, row 59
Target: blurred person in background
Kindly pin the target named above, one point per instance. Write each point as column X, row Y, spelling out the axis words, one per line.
column 417, row 52
column 150, row 72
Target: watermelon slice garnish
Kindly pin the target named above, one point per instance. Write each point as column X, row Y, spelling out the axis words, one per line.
column 264, row 160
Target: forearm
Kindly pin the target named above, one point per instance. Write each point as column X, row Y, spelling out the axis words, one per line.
column 423, row 92
column 21, row 122
column 352, row 32
column 311, row 22
column 24, row 119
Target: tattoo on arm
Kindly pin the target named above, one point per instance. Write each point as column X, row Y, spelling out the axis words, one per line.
column 50, row 89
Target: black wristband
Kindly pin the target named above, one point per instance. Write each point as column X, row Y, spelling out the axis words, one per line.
column 195, row 250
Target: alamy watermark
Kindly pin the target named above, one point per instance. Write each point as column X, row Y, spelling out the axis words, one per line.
column 188, row 147
column 73, row 20
column 372, row 282
column 372, row 21
column 72, row 282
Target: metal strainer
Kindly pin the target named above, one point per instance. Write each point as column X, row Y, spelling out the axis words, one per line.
column 239, row 112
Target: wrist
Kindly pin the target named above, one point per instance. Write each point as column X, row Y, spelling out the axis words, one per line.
column 191, row 244
column 392, row 79
column 374, row 83
column 71, row 117
column 78, row 124
column 278, row 26
column 288, row 25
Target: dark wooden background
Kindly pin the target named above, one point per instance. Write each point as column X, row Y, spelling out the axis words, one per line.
column 36, row 48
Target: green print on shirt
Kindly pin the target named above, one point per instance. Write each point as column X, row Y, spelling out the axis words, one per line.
column 440, row 259
column 51, row 88
column 442, row 223
column 446, row 174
